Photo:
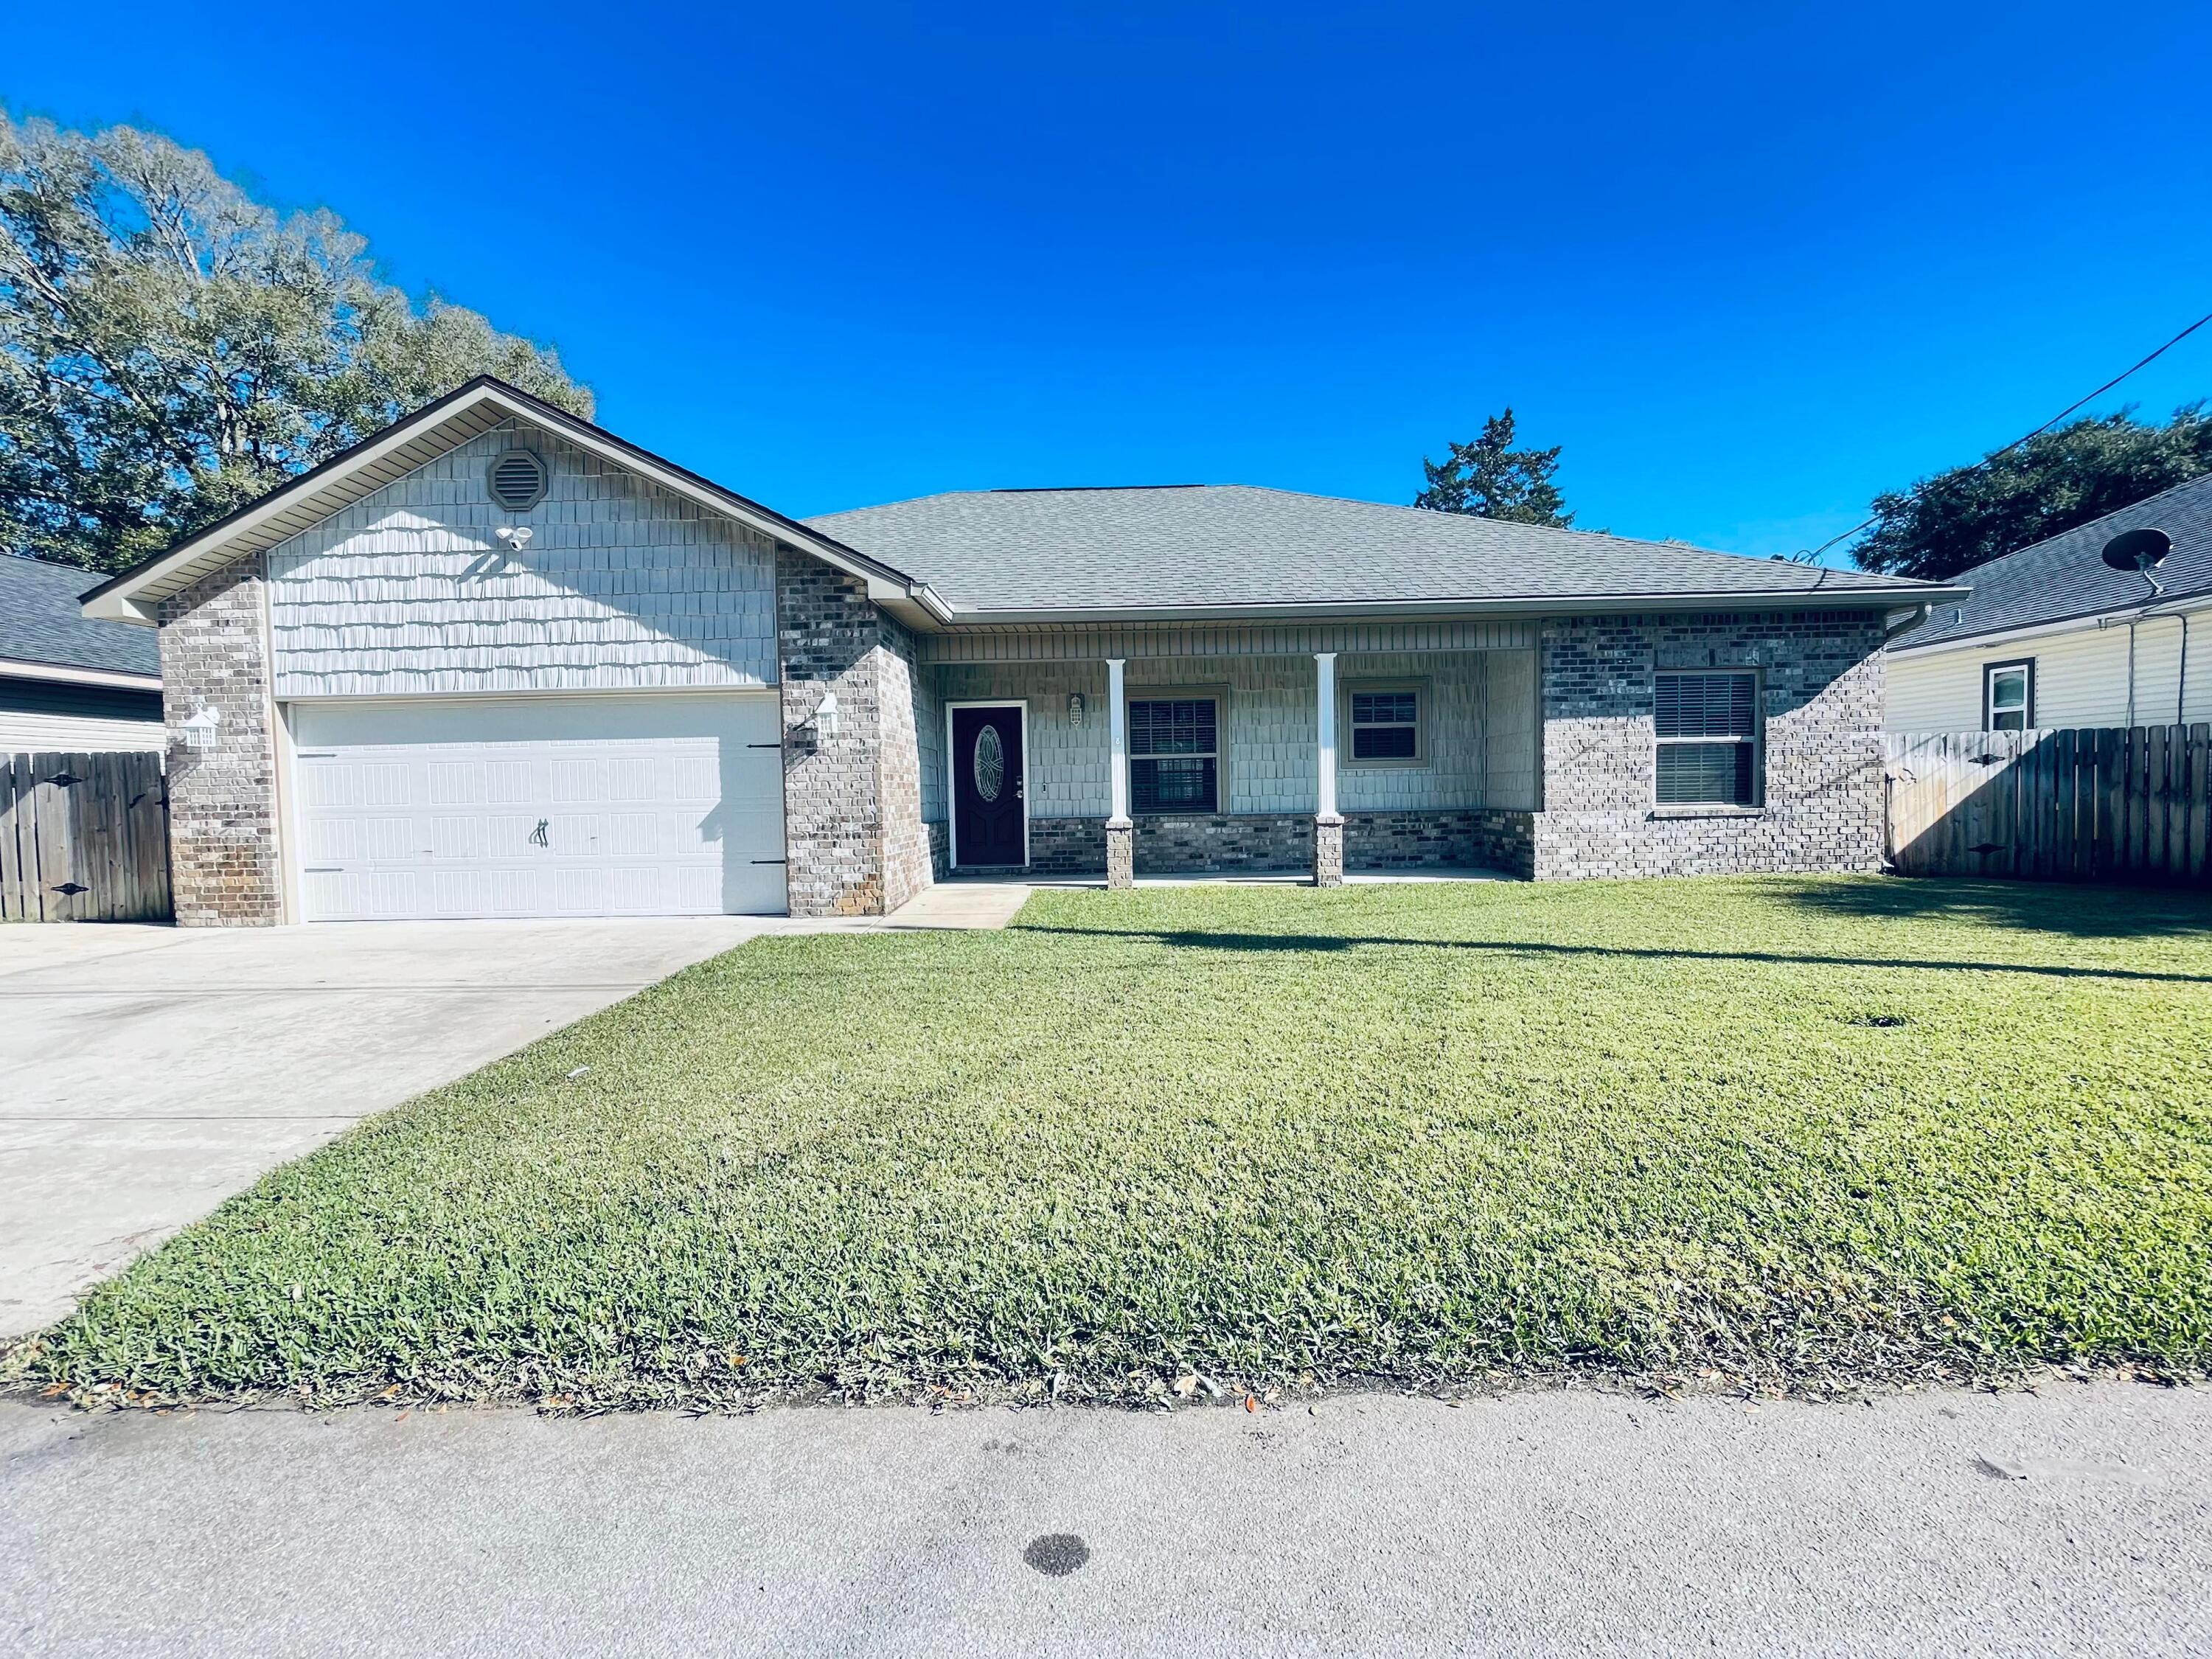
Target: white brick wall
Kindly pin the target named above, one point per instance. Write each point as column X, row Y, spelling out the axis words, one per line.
column 622, row 587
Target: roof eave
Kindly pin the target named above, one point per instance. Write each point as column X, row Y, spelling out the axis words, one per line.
column 2165, row 605
column 1862, row 598
column 133, row 595
column 70, row 673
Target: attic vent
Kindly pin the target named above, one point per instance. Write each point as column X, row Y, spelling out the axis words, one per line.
column 518, row 480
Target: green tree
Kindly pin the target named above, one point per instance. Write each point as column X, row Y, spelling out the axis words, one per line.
column 170, row 348
column 1491, row 479
column 2014, row 497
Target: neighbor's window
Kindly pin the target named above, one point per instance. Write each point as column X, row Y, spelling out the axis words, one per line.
column 1386, row 724
column 1707, row 725
column 1175, row 755
column 2009, row 696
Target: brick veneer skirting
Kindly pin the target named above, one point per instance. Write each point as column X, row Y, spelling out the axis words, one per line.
column 1228, row 844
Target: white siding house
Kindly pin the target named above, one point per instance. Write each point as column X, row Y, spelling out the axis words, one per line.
column 68, row 683
column 2081, row 675
column 2056, row 635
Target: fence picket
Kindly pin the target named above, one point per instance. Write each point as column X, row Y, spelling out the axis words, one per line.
column 2052, row 804
column 2200, row 797
column 83, row 837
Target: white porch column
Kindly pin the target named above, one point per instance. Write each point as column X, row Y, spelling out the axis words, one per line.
column 1121, row 832
column 1329, row 823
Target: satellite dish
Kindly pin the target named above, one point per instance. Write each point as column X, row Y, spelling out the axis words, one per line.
column 2138, row 549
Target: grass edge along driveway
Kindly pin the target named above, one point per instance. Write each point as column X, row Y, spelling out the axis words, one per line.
column 1795, row 1130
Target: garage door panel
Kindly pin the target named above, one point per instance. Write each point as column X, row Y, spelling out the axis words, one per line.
column 584, row 806
column 458, row 783
column 507, row 781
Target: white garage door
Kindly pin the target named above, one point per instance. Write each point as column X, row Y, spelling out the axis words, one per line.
column 639, row 805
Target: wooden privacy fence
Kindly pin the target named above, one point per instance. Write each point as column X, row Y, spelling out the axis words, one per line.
column 84, row 837
column 2112, row 804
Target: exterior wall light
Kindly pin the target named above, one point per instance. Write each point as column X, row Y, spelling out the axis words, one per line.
column 1075, row 708
column 825, row 715
column 199, row 728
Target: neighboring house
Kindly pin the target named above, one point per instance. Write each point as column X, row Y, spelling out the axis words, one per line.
column 68, row 683
column 2054, row 635
column 496, row 661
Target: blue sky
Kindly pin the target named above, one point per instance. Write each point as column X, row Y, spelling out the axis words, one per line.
column 1749, row 264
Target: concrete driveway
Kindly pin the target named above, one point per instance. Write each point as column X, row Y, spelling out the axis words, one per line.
column 147, row 1073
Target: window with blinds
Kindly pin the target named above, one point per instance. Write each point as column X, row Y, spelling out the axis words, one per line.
column 1707, row 726
column 1175, row 755
column 1386, row 724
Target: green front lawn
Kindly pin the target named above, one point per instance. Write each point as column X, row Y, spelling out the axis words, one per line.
column 1783, row 1129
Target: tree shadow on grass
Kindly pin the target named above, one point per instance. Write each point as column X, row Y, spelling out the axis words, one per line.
column 1199, row 939
column 2076, row 911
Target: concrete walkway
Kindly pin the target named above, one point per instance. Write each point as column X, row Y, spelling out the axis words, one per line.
column 1542, row 1522
column 989, row 905
column 151, row 1073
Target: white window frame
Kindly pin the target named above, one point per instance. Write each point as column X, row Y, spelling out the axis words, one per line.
column 1218, row 696
column 1348, row 749
column 1756, row 741
column 2025, row 709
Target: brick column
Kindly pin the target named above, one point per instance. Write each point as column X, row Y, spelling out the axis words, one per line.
column 830, row 643
column 221, row 778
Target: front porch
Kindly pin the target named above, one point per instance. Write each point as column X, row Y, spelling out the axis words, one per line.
column 1160, row 754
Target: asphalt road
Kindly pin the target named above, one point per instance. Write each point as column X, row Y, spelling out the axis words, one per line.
column 1540, row 1523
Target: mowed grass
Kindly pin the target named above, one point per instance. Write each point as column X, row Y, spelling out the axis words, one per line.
column 1785, row 1130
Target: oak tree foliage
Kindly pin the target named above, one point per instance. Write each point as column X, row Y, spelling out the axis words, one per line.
column 171, row 348
column 1951, row 522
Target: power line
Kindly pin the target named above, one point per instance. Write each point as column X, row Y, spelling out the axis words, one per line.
column 2093, row 396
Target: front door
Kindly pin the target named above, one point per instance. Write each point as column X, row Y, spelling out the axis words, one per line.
column 990, row 822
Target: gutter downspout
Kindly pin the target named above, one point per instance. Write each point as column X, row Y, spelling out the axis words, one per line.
column 2131, row 673
column 2181, row 674
column 1907, row 619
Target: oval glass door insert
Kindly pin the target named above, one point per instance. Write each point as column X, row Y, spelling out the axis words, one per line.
column 990, row 762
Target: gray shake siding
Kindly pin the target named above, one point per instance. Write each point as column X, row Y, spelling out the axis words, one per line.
column 622, row 587
column 1481, row 712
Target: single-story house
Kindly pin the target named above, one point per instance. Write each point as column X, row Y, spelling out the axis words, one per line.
column 2092, row 628
column 67, row 682
column 497, row 661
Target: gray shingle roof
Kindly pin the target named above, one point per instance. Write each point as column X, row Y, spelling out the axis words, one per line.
column 1230, row 545
column 2066, row 575
column 39, row 621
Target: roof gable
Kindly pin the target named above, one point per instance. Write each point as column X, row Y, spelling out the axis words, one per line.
column 407, row 445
